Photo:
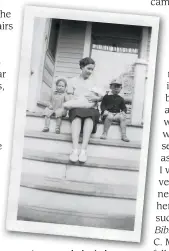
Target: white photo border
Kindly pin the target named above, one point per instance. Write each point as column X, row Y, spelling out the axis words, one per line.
column 12, row 224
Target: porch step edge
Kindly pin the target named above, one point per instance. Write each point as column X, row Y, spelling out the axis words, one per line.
column 45, row 215
column 33, row 208
column 49, row 184
column 40, row 115
column 93, row 141
column 92, row 162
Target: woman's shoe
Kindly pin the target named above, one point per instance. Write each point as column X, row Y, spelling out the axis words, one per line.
column 83, row 156
column 74, row 155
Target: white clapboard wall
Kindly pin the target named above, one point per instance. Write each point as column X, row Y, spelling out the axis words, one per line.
column 70, row 48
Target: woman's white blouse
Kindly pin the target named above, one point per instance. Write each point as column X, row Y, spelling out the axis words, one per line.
column 80, row 87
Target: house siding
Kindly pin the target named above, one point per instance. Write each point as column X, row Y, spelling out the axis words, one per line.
column 70, row 48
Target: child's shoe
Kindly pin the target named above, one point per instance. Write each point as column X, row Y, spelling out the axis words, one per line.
column 57, row 130
column 74, row 155
column 45, row 129
column 83, row 156
column 104, row 136
column 124, row 138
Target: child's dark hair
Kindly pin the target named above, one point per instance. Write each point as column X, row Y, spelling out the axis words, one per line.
column 85, row 61
column 61, row 79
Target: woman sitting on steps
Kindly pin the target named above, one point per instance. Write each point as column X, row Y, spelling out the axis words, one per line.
column 83, row 119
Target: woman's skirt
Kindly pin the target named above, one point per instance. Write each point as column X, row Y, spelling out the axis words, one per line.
column 84, row 113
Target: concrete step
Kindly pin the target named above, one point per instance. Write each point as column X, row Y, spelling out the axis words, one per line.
column 35, row 121
column 61, row 208
column 54, row 172
column 51, row 142
column 94, row 141
column 92, row 162
column 81, row 188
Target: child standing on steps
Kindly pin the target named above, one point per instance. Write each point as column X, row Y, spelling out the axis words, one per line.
column 113, row 109
column 55, row 105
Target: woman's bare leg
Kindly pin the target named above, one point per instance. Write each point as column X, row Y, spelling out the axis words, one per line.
column 76, row 128
column 87, row 130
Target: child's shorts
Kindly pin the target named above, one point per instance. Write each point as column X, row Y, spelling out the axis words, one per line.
column 114, row 117
column 60, row 112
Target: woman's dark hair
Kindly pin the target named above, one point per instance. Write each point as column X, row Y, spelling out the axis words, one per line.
column 85, row 61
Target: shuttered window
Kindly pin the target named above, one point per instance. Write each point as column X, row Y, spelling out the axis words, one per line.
column 53, row 37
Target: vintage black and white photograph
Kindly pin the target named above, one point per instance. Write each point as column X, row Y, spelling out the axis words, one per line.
column 82, row 130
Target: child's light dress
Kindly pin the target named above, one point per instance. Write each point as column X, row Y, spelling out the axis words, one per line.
column 56, row 101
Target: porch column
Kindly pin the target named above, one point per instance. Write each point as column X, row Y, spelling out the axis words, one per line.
column 37, row 63
column 87, row 42
column 139, row 80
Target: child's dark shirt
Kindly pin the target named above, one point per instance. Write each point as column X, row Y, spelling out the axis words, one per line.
column 113, row 103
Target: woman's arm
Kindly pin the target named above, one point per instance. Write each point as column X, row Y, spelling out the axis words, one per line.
column 71, row 86
column 99, row 98
column 94, row 98
column 68, row 97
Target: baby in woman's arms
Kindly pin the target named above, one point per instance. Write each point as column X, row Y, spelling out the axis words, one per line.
column 82, row 100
